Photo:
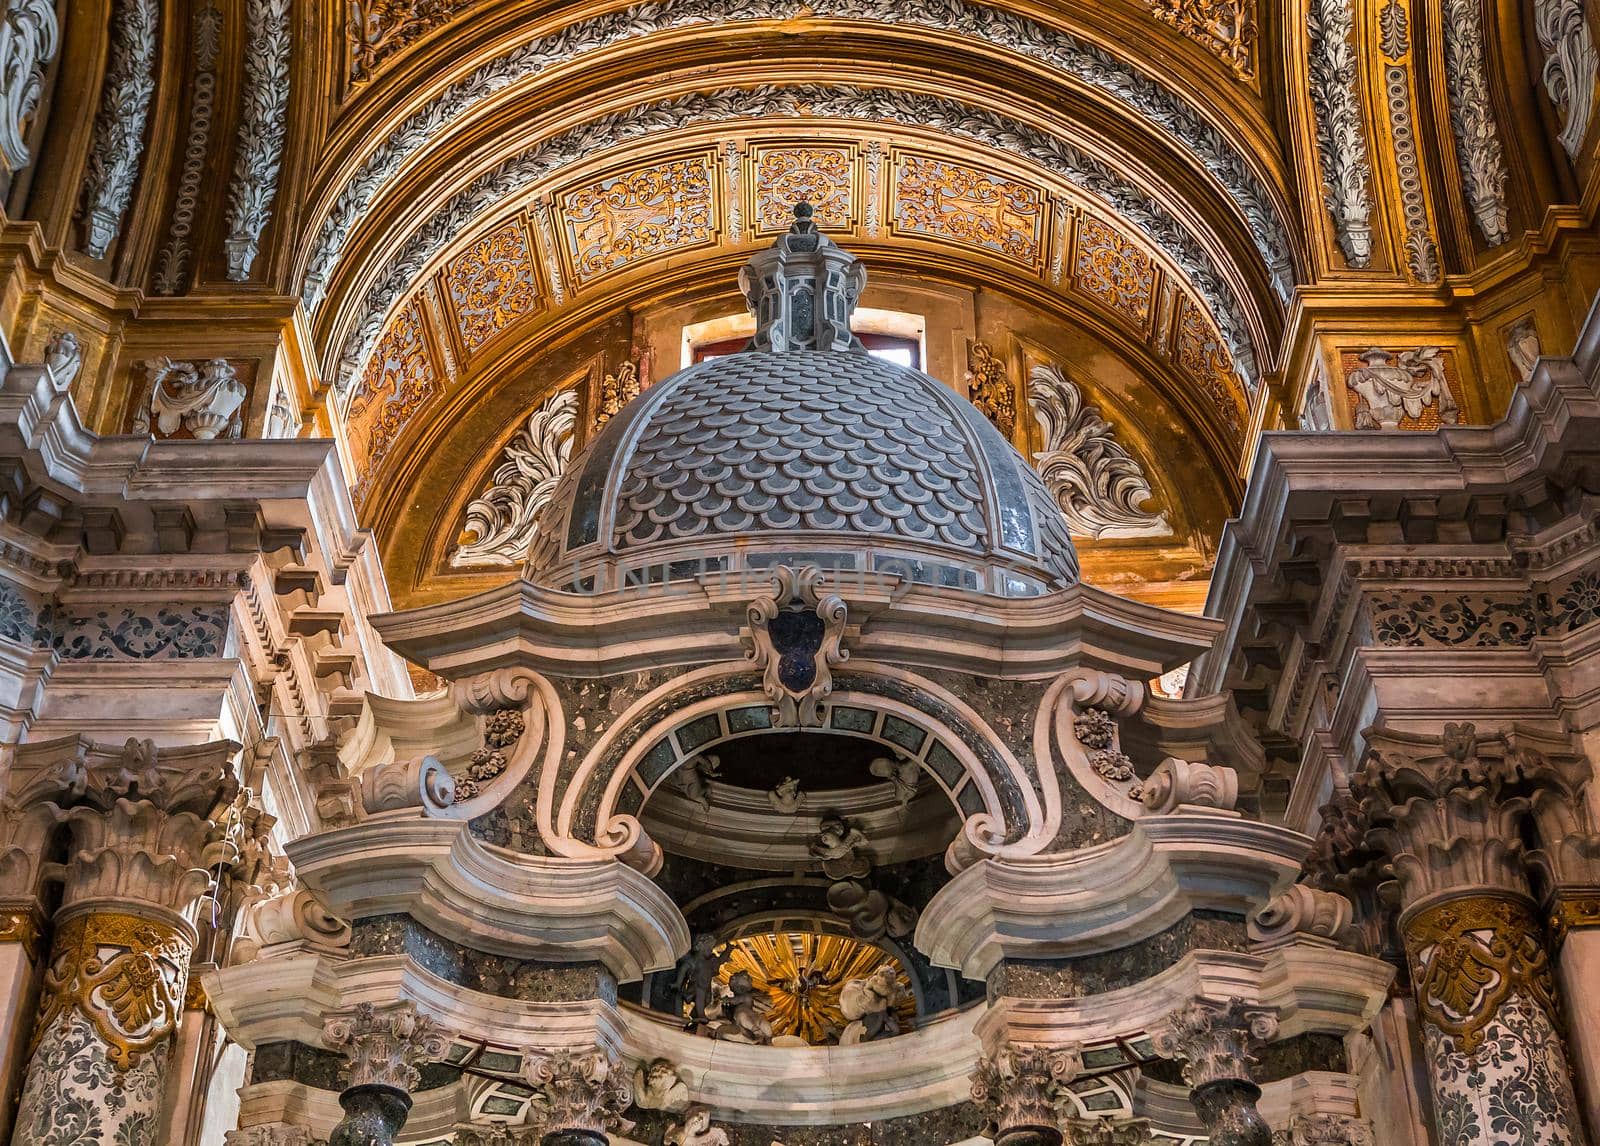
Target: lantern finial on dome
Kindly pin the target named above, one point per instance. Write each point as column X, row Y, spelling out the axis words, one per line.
column 802, row 290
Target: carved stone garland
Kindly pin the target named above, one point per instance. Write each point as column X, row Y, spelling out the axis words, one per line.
column 29, row 37
column 795, row 636
column 172, row 267
column 263, row 123
column 502, row 521
column 1478, row 150
column 1096, row 482
column 1341, row 142
column 119, row 127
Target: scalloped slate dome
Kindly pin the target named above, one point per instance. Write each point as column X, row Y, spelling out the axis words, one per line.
column 802, row 450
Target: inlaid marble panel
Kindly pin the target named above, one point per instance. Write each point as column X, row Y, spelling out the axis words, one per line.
column 627, row 218
column 968, row 206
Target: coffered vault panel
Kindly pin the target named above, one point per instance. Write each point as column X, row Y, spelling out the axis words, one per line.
column 616, row 222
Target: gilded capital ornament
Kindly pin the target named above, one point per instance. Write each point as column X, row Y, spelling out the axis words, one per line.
column 1017, row 1084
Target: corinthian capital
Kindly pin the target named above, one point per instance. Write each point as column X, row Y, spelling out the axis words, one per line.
column 384, row 1047
column 1105, row 1132
column 585, row 1090
column 1216, row 1040
column 1018, row 1084
column 1326, row 1130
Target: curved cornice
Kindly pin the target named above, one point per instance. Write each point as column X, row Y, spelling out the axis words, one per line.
column 1108, row 896
column 1133, row 195
column 380, row 152
column 494, row 900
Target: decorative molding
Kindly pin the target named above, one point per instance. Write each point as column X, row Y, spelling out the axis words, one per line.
column 522, row 171
column 206, row 399
column 1225, row 28
column 172, row 269
column 1478, row 150
column 989, row 388
column 29, row 37
column 1097, row 483
column 1438, row 620
column 263, row 125
column 1216, row 1039
column 1341, row 142
column 1082, row 63
column 1325, row 1130
column 118, row 144
column 503, row 520
column 1569, row 66
column 377, row 30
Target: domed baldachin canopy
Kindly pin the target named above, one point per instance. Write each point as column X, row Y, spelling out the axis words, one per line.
column 803, row 450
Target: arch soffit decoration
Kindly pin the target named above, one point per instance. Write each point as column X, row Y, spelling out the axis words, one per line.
column 1005, row 810
column 1164, row 114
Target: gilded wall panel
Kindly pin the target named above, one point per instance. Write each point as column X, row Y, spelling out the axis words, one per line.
column 1200, row 351
column 968, row 206
column 637, row 215
column 400, row 378
column 822, row 175
column 491, row 284
column 1114, row 271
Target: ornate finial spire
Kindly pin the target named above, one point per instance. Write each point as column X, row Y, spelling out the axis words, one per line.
column 802, row 290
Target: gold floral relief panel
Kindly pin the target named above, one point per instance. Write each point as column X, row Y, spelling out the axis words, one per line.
column 1201, row 353
column 637, row 215
column 1412, row 388
column 399, row 380
column 968, row 206
column 821, row 175
column 1110, row 268
column 1225, row 28
column 491, row 284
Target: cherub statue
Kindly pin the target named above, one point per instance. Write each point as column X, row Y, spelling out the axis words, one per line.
column 696, row 976
column 904, row 773
column 657, row 1085
column 787, row 798
column 870, row 1005
column 697, row 776
column 696, row 1130
column 739, row 1014
column 841, row 848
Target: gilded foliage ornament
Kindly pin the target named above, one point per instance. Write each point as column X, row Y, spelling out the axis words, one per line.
column 503, row 520
column 989, row 387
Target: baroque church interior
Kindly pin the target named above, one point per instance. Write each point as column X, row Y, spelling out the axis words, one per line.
column 849, row 573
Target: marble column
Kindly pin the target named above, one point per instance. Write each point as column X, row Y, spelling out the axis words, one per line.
column 1216, row 1041
column 21, row 948
column 1017, row 1084
column 1450, row 811
column 585, row 1093
column 383, row 1048
column 141, row 827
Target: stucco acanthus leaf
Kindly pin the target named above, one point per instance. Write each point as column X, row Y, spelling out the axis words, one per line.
column 119, row 127
column 585, row 1090
column 270, row 1134
column 263, row 122
column 1570, row 63
column 1478, row 149
column 172, row 267
column 522, row 171
column 1215, row 1039
column 204, row 398
column 29, row 37
column 503, row 519
column 1107, row 1132
column 1325, row 1130
column 1341, row 142
column 1096, row 482
column 384, row 1047
column 1083, row 63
